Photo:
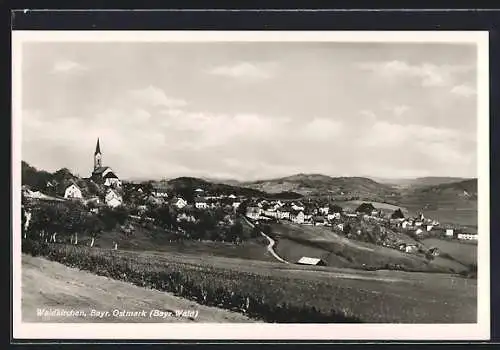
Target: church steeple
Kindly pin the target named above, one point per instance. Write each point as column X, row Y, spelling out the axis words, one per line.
column 97, row 156
column 97, row 148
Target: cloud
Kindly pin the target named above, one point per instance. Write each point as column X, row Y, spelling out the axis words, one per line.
column 429, row 74
column 321, row 129
column 463, row 90
column 154, row 96
column 399, row 109
column 67, row 66
column 244, row 70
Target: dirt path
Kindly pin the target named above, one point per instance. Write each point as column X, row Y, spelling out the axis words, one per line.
column 271, row 244
column 55, row 288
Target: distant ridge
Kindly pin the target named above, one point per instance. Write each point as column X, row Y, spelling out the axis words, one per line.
column 420, row 181
column 316, row 184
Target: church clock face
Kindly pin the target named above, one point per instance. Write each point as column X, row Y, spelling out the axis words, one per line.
column 98, row 160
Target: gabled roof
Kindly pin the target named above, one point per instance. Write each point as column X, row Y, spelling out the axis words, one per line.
column 110, row 175
column 309, row 261
column 100, row 170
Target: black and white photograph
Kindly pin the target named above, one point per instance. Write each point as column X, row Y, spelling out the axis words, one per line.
column 287, row 185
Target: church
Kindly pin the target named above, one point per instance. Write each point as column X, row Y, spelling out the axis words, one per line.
column 103, row 174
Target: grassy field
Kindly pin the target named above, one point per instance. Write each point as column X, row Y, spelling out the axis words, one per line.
column 464, row 252
column 48, row 285
column 286, row 293
column 295, row 241
column 144, row 239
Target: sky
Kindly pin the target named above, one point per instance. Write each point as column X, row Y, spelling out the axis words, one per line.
column 251, row 110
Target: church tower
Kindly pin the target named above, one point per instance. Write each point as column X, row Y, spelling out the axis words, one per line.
column 97, row 156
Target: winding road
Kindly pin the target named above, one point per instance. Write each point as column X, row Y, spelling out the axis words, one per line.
column 270, row 246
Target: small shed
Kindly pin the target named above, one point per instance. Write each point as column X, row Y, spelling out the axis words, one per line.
column 311, row 261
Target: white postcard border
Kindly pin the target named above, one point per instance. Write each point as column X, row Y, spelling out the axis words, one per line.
column 234, row 331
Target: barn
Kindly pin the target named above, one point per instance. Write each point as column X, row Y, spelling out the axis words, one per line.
column 311, row 261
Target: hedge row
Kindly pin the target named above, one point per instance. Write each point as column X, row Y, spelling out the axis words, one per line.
column 257, row 296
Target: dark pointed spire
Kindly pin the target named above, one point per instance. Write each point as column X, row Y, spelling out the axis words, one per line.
column 97, row 148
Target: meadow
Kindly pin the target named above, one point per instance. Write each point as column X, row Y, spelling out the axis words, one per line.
column 464, row 252
column 295, row 241
column 276, row 292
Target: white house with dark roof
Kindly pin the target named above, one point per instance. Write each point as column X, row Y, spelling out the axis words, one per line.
column 179, row 202
column 73, row 192
column 200, row 203
column 113, row 199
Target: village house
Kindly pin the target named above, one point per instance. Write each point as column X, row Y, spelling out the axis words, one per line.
column 467, row 236
column 449, row 232
column 434, row 251
column 200, row 203
column 297, row 217
column 324, row 210
column 113, row 199
column 160, row 191
column 236, row 204
column 333, row 216
column 429, row 228
column 419, row 231
column 73, row 192
column 179, row 202
column 253, row 213
column 405, row 224
column 283, row 214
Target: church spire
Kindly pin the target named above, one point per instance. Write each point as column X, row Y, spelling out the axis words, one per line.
column 97, row 156
column 97, row 148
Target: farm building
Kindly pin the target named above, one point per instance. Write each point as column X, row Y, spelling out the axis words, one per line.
column 467, row 236
column 311, row 261
column 449, row 232
column 434, row 251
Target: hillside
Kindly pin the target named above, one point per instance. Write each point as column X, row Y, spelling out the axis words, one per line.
column 449, row 203
column 420, row 181
column 316, row 184
column 462, row 191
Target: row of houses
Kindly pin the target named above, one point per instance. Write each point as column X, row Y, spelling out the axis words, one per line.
column 111, row 197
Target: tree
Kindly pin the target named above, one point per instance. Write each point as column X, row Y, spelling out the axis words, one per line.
column 336, row 208
column 365, row 208
column 397, row 214
column 242, row 208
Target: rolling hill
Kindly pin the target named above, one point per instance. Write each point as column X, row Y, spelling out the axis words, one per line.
column 186, row 185
column 317, row 184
